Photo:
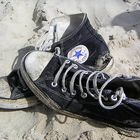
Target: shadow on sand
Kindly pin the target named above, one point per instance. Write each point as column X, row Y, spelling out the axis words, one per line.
column 129, row 21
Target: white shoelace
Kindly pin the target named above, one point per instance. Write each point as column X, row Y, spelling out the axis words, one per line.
column 118, row 97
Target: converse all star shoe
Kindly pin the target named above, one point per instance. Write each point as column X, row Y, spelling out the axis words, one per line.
column 73, row 36
column 75, row 90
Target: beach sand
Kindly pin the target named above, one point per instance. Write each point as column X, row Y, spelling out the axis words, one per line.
column 21, row 24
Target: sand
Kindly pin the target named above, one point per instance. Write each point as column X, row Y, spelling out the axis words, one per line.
column 22, row 22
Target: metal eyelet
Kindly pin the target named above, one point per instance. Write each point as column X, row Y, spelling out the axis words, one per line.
column 84, row 95
column 54, row 84
column 114, row 98
column 86, row 72
column 64, row 90
column 75, row 66
column 73, row 93
column 67, row 61
column 57, row 51
column 48, row 48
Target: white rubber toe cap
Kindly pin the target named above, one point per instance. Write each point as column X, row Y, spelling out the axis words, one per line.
column 35, row 62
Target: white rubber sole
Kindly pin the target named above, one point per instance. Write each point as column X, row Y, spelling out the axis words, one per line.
column 19, row 103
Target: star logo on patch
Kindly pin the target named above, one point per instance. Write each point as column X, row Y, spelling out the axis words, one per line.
column 78, row 54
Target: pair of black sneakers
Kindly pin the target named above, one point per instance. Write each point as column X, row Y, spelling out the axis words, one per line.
column 69, row 80
column 70, row 36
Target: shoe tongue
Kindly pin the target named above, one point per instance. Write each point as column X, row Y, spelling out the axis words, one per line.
column 107, row 92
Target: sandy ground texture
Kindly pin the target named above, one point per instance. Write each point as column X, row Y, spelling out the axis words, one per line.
column 22, row 22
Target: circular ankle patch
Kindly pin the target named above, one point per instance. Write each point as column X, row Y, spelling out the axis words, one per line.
column 79, row 54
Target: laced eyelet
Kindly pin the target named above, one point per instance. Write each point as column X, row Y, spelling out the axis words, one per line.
column 73, row 93
column 64, row 90
column 57, row 51
column 75, row 66
column 67, row 61
column 114, row 98
column 86, row 72
column 84, row 95
column 54, row 84
column 48, row 48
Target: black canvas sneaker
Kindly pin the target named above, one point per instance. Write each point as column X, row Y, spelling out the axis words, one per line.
column 74, row 37
column 75, row 90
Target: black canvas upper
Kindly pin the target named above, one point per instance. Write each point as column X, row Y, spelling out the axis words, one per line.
column 18, row 87
column 81, row 32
